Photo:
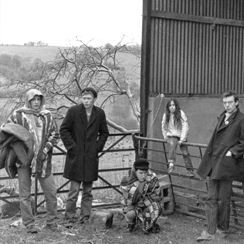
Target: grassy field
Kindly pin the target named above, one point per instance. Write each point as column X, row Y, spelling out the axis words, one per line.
column 45, row 53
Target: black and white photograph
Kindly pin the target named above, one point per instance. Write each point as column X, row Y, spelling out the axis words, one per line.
column 121, row 121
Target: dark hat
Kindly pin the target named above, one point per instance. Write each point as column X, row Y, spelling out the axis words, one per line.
column 89, row 90
column 142, row 164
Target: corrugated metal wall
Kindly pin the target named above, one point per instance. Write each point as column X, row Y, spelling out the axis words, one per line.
column 196, row 46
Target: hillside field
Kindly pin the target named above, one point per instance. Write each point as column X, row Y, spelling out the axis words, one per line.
column 47, row 53
column 130, row 63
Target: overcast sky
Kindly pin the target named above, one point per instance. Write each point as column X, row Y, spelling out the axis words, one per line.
column 61, row 22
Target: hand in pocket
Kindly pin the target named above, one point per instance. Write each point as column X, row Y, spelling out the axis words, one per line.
column 72, row 152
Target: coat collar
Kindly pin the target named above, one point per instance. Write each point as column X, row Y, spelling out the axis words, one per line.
column 221, row 124
column 84, row 116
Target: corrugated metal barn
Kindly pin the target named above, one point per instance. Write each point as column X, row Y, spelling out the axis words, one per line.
column 192, row 50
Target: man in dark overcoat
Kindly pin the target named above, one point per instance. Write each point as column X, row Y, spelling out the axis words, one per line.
column 223, row 163
column 84, row 132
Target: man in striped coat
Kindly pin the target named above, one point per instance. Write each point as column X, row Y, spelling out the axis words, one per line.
column 41, row 125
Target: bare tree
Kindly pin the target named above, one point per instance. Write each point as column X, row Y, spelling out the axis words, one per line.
column 77, row 67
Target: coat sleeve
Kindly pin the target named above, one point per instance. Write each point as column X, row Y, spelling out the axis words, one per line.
column 103, row 132
column 164, row 132
column 65, row 130
column 12, row 118
column 185, row 127
column 54, row 136
column 238, row 150
column 154, row 193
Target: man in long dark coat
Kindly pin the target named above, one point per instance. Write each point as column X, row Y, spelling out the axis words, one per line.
column 223, row 163
column 84, row 133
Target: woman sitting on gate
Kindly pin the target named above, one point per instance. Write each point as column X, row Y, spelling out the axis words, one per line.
column 141, row 197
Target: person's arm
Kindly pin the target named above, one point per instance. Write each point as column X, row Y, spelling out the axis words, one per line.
column 53, row 137
column 66, row 129
column 103, row 133
column 237, row 151
column 12, row 118
column 184, row 129
column 154, row 193
column 164, row 132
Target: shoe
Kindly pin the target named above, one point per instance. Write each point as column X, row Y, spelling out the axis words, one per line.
column 68, row 223
column 190, row 173
column 155, row 228
column 84, row 220
column 130, row 227
column 32, row 229
column 171, row 168
column 205, row 236
column 146, row 231
column 147, row 227
column 52, row 227
column 221, row 234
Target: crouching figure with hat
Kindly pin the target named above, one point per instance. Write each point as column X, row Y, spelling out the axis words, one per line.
column 141, row 198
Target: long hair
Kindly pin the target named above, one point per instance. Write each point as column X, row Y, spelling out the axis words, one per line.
column 177, row 113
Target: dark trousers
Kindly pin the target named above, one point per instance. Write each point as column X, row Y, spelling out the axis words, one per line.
column 217, row 205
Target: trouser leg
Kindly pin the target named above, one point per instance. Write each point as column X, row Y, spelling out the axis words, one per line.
column 186, row 157
column 50, row 193
column 211, row 206
column 24, row 178
column 223, row 217
column 86, row 202
column 173, row 142
column 70, row 210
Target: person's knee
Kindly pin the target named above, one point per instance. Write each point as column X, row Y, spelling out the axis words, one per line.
column 185, row 152
column 87, row 194
column 172, row 144
column 131, row 215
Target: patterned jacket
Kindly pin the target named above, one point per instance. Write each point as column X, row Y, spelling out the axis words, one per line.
column 50, row 137
column 140, row 194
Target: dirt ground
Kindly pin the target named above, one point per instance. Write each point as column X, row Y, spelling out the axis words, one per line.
column 175, row 229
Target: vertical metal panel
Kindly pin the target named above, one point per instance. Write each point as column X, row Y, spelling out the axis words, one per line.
column 196, row 57
column 145, row 64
